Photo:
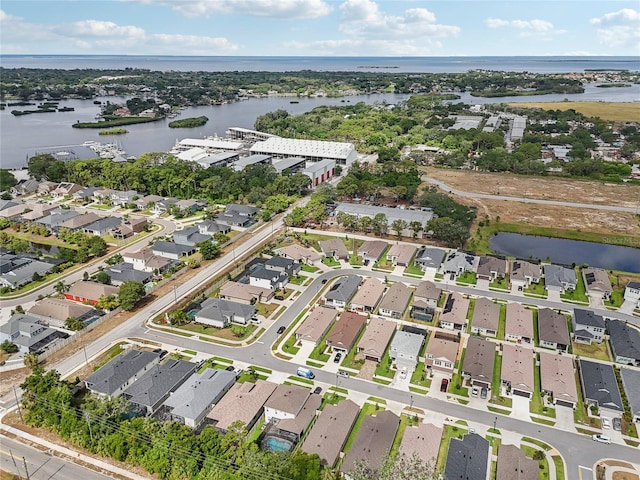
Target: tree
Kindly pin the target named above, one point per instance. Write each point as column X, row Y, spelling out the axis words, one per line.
column 103, row 277
column 398, row 226
column 61, row 287
column 114, row 259
column 238, row 331
column 380, row 224
column 130, row 293
column 400, row 467
column 8, row 347
column 416, row 227
column 107, row 302
column 7, row 180
column 74, row 324
column 209, row 250
column 453, row 232
column 31, row 360
column 179, row 317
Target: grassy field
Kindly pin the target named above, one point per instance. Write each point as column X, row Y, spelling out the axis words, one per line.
column 615, row 111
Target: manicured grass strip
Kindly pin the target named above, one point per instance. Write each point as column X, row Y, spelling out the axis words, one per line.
column 557, row 461
column 190, row 352
column 449, row 432
column 381, row 381
column 339, row 390
column 540, row 443
column 314, row 364
column 367, row 409
column 543, row 421
column 417, row 390
column 380, row 401
column 300, row 380
column 261, row 369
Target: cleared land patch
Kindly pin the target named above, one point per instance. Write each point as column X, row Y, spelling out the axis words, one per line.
column 614, row 111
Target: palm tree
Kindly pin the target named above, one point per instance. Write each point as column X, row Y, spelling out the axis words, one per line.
column 31, row 360
column 61, row 287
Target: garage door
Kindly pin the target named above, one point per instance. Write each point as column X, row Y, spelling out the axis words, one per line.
column 521, row 393
column 564, row 404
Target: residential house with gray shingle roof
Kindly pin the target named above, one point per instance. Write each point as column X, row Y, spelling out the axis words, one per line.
column 218, row 312
column 405, row 349
column 559, row 279
column 467, row 458
column 29, row 333
column 18, row 270
column 172, row 250
column 334, row 247
column 631, row 384
column 149, row 391
column 372, row 442
column 553, row 331
column 632, row 293
column 599, row 385
column 625, row 342
column 454, row 312
column 491, row 268
column 191, row 402
column 244, row 402
column 479, row 360
column 588, row 327
column 459, row 262
column 113, row 378
column 343, row 290
column 430, row 259
column 513, row 464
column 190, row 236
column 102, row 227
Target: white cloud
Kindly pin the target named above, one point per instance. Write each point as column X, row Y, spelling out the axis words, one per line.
column 97, row 28
column 281, row 9
column 619, row 29
column 535, row 25
column 363, row 18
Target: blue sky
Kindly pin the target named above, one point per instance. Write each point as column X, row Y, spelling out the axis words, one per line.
column 320, row 27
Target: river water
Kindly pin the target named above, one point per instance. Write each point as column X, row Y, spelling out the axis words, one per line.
column 567, row 252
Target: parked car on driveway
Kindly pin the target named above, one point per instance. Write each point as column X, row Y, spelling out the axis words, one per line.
column 605, row 423
column 483, row 393
column 617, row 424
column 444, row 384
column 475, row 391
column 337, row 358
column 279, row 297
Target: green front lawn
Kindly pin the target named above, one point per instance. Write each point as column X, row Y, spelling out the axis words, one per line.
column 298, row 279
column 265, row 309
column 222, row 333
column 617, row 297
column 579, row 294
column 384, row 367
column 467, row 277
column 595, row 350
column 290, row 345
column 537, row 289
column 309, row 268
column 501, row 283
column 414, row 269
column 543, row 474
column 449, row 432
column 536, row 405
column 420, row 377
column 330, row 262
column 495, row 384
column 319, row 354
column 502, row 322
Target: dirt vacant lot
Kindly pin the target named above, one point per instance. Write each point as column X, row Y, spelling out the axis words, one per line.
column 614, row 111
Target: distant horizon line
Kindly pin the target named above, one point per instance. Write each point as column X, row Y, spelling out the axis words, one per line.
column 310, row 56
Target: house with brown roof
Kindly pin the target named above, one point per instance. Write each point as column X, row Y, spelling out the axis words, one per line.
column 89, row 292
column 491, row 268
column 291, row 408
column 454, row 312
column 558, row 378
column 79, row 222
column 376, row 339
column 422, row 441
column 373, row 441
column 372, row 250
column 38, row 210
column 597, row 282
column 330, row 431
column 395, row 301
column 479, row 361
column 517, row 370
column 334, row 247
column 425, row 301
column 245, row 293
column 519, row 323
column 524, row 273
column 442, row 352
column 513, row 464
column 401, row 254
column 55, row 311
column 316, row 325
column 553, row 331
column 244, row 402
column 345, row 331
column 299, row 253
column 486, row 316
column 368, row 296
column 66, row 188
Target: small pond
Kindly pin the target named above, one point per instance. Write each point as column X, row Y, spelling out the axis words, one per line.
column 566, row 252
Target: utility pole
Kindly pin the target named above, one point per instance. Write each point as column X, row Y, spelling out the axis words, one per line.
column 15, row 464
column 86, row 360
column 25, row 468
column 86, row 417
column 18, row 403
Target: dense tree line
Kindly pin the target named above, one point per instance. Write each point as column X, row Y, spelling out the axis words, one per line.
column 399, row 180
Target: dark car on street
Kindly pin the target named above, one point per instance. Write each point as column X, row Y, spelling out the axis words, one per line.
column 281, row 330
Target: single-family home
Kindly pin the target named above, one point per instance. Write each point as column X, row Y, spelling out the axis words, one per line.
column 123, row 198
column 103, row 227
column 559, row 279
column 190, row 236
column 442, row 352
column 162, row 206
column 25, row 187
column 376, row 338
column 588, row 326
column 210, row 227
column 189, row 206
column 245, row 293
column 430, row 259
column 218, row 313
column 368, row 296
column 553, row 331
column 145, row 261
column 4, row 204
column 89, row 292
column 599, row 385
column 18, row 270
column 56, row 218
column 330, row 431
column 524, row 273
column 467, row 458
column 29, row 333
column 242, row 210
column 458, row 262
column 423, row 441
column 519, row 323
column 103, row 195
column 343, row 290
column 557, row 378
column 400, row 254
column 46, row 187
column 345, row 332
column 124, row 272
column 55, row 311
column 114, row 377
column 631, row 384
column 299, row 253
column 597, row 282
column 80, row 221
column 316, row 325
column 147, row 202
column 37, row 211
column 172, row 250
column 84, row 195
column 491, row 268
column 479, row 360
column 244, row 402
column 425, row 300
column 517, row 370
column 372, row 442
column 335, row 248
column 485, row 318
column 513, row 464
column 454, row 312
column 395, row 301
column 66, row 188
column 191, row 402
column 405, row 347
column 286, row 401
column 149, row 391
column 625, row 342
column 283, row 265
column 632, row 293
column 294, row 428
column 265, row 278
column 372, row 250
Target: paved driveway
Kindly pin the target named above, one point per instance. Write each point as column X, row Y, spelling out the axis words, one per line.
column 520, row 407
column 564, row 418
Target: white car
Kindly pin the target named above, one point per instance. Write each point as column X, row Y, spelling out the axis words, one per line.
column 605, row 423
column 403, row 373
column 475, row 391
column 601, row 439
